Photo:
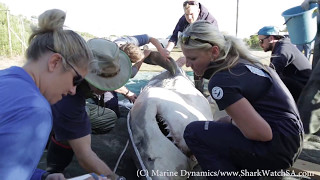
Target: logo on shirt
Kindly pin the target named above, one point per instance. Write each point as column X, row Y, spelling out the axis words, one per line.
column 217, row 92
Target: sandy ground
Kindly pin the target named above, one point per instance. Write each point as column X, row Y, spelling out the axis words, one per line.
column 6, row 62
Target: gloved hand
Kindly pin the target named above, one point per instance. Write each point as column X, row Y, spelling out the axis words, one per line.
column 306, row 4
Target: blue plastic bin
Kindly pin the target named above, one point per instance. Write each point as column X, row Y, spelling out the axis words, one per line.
column 301, row 25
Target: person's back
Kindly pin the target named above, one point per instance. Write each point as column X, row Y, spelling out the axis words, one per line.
column 33, row 124
column 297, row 65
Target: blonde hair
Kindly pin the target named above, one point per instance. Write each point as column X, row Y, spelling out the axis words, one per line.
column 50, row 36
column 133, row 51
column 231, row 48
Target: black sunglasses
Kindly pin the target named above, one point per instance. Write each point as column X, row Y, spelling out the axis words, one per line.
column 185, row 40
column 261, row 40
column 76, row 79
column 190, row 3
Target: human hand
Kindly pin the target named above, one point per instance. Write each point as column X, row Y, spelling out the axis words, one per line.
column 165, row 53
column 94, row 176
column 306, row 4
column 55, row 176
column 131, row 96
column 146, row 53
column 181, row 61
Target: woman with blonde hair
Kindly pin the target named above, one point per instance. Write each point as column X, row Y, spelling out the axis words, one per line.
column 263, row 130
column 57, row 61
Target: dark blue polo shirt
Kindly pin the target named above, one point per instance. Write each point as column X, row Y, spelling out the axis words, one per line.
column 70, row 119
column 265, row 92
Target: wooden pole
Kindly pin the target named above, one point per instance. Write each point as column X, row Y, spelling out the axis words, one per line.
column 23, row 42
column 9, row 33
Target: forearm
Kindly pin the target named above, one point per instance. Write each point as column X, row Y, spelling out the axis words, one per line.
column 156, row 43
column 164, row 52
column 170, row 46
column 249, row 122
column 123, row 90
column 138, row 64
column 92, row 163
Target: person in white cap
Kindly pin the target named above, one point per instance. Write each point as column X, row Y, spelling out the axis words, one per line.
column 290, row 63
column 110, row 70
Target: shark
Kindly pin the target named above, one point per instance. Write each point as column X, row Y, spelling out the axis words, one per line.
column 156, row 122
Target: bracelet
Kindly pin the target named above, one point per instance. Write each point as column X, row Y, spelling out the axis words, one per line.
column 127, row 92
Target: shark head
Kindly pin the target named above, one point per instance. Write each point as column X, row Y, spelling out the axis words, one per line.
column 157, row 121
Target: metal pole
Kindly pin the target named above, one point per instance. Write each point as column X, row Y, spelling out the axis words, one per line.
column 237, row 18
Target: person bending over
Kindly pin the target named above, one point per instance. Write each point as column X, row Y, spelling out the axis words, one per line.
column 263, row 130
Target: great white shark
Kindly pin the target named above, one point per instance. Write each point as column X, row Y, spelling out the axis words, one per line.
column 157, row 120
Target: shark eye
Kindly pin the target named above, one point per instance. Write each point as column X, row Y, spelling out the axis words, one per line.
column 150, row 159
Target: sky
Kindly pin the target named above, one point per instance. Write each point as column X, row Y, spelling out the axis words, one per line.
column 157, row 18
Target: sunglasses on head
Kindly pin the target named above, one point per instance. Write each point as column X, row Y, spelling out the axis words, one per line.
column 190, row 3
column 76, row 79
column 185, row 40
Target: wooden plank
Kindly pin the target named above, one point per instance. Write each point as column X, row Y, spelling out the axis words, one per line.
column 307, row 167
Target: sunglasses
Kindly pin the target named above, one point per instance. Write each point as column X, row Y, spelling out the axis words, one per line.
column 76, row 79
column 261, row 40
column 185, row 40
column 190, row 3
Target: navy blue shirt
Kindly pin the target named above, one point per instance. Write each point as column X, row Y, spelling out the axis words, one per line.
column 265, row 92
column 70, row 119
column 289, row 62
column 183, row 23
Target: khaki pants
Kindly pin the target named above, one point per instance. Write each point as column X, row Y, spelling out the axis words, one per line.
column 102, row 119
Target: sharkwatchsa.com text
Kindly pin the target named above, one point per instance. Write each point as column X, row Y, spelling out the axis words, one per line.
column 242, row 173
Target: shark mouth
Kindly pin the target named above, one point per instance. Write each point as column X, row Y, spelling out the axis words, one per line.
column 164, row 128
column 166, row 131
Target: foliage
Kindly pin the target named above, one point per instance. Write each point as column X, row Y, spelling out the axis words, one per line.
column 86, row 35
column 253, row 42
column 20, row 31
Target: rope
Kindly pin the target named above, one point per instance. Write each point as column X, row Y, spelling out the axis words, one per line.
column 143, row 167
column 123, row 151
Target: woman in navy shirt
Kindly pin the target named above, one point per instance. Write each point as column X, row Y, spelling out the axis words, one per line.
column 262, row 131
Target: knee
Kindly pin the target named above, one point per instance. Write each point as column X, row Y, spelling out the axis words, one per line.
column 190, row 134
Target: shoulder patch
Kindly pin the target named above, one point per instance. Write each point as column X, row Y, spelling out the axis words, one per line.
column 257, row 71
column 217, row 92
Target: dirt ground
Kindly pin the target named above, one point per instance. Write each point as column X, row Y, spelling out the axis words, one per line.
column 6, row 62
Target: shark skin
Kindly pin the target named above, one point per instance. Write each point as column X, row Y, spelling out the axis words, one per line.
column 175, row 102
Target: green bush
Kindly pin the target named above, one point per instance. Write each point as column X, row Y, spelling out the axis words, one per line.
column 253, row 42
